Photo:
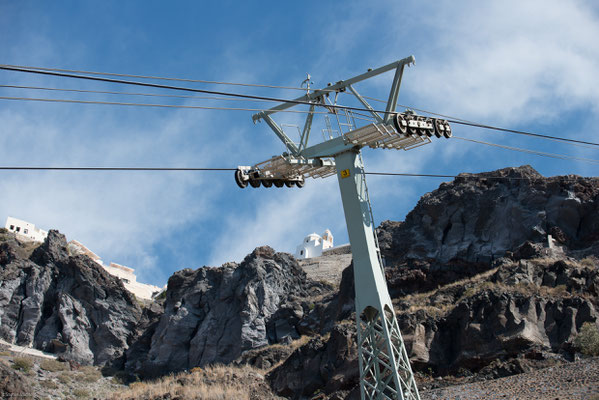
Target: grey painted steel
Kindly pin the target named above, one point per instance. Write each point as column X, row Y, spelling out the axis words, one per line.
column 394, row 93
column 317, row 94
column 284, row 138
column 365, row 104
column 307, row 127
column 385, row 371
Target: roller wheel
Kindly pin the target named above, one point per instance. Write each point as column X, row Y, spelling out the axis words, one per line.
column 400, row 124
column 289, row 183
column 278, row 183
column 439, row 127
column 267, row 183
column 430, row 131
column 421, row 131
column 239, row 179
column 255, row 183
column 447, row 132
column 411, row 130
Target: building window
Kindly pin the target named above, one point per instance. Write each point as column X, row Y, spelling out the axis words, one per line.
column 25, row 231
column 18, row 229
column 12, row 227
column 125, row 280
column 301, row 253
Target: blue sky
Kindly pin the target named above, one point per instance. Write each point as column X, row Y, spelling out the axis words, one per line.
column 524, row 65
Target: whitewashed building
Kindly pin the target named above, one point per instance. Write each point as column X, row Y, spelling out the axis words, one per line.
column 125, row 274
column 313, row 245
column 25, row 230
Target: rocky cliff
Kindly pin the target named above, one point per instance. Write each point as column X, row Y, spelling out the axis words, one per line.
column 63, row 304
column 478, row 217
column 475, row 288
column 213, row 315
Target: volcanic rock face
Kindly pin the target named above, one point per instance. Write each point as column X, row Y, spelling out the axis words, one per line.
column 63, row 304
column 524, row 306
column 462, row 307
column 331, row 365
column 212, row 315
column 476, row 219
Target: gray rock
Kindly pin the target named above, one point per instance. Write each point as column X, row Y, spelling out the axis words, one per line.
column 55, row 302
column 476, row 219
column 213, row 315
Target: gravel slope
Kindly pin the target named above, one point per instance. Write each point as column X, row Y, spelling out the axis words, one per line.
column 575, row 381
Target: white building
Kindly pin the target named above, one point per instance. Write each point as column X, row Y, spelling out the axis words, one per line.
column 25, row 230
column 313, row 245
column 125, row 274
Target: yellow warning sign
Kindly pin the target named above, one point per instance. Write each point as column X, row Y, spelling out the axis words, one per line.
column 345, row 173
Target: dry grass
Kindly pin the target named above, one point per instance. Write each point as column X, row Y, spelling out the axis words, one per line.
column 22, row 364
column 53, row 365
column 88, row 374
column 211, row 383
column 422, row 297
column 439, row 302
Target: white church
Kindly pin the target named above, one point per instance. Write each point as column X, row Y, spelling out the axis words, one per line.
column 313, row 245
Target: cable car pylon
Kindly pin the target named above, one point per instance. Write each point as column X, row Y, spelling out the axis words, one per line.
column 385, row 371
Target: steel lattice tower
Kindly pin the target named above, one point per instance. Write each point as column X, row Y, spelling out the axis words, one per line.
column 385, row 371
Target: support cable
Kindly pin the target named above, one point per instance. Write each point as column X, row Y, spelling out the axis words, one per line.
column 279, row 100
column 466, row 122
column 174, row 169
column 113, row 103
column 200, row 169
column 127, row 93
column 528, row 151
column 160, row 78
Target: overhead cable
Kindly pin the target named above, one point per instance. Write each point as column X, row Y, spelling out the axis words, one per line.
column 186, row 89
column 462, row 121
column 201, row 169
column 175, row 169
column 468, row 176
column 274, row 99
column 114, row 103
column 528, row 151
column 160, row 78
column 177, row 96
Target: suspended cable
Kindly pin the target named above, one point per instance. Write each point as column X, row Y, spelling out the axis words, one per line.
column 161, row 78
column 462, row 121
column 177, row 169
column 113, row 103
column 274, row 99
column 479, row 177
column 186, row 89
column 201, row 169
column 535, row 152
column 128, row 93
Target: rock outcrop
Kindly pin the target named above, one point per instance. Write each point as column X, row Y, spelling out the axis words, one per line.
column 320, row 365
column 213, row 315
column 524, row 307
column 478, row 217
column 63, row 304
column 476, row 288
